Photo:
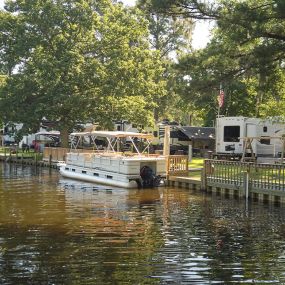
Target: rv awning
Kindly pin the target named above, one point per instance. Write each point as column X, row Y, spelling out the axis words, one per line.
column 202, row 133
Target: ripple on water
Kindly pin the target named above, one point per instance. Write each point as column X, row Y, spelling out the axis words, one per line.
column 60, row 231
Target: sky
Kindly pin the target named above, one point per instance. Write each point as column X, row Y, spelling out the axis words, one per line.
column 201, row 32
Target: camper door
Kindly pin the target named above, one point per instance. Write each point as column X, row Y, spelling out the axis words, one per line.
column 231, row 139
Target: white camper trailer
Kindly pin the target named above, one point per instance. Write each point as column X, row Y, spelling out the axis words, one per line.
column 265, row 135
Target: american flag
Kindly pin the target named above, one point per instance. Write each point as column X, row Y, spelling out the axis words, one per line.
column 221, row 98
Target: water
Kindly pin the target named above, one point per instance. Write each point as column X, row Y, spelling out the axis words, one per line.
column 59, row 231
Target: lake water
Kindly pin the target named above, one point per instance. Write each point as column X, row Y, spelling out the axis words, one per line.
column 59, row 231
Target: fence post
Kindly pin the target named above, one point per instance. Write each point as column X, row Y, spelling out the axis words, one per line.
column 36, row 159
column 167, row 167
column 49, row 160
column 246, row 184
column 204, row 176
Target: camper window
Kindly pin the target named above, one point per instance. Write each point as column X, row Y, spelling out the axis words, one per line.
column 231, row 133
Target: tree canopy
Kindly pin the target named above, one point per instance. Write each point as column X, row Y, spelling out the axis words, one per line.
column 85, row 60
column 76, row 61
column 245, row 55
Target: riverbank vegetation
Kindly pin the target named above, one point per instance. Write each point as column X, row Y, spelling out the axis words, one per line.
column 85, row 61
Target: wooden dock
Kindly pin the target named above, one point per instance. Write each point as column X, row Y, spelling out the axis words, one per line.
column 32, row 160
column 253, row 181
column 184, row 182
column 265, row 182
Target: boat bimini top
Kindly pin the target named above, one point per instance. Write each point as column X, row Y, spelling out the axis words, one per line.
column 113, row 139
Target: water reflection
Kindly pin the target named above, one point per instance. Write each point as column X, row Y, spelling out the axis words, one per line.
column 60, row 231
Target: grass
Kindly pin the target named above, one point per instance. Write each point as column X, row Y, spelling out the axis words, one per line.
column 265, row 174
column 196, row 162
column 20, row 153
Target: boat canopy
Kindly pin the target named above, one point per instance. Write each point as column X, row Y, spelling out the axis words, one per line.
column 45, row 133
column 113, row 134
column 112, row 137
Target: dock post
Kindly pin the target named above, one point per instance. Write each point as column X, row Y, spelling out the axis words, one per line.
column 246, row 187
column 166, row 148
column 166, row 142
column 36, row 159
column 204, row 178
column 246, row 184
column 49, row 160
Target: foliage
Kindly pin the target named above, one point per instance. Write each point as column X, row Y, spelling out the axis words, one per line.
column 171, row 36
column 245, row 55
column 77, row 61
column 196, row 162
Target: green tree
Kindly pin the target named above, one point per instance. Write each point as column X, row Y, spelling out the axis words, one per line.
column 171, row 36
column 246, row 55
column 77, row 61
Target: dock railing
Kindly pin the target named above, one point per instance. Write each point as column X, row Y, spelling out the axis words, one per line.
column 177, row 165
column 55, row 154
column 234, row 174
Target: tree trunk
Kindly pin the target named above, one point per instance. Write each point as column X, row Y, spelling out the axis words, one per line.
column 64, row 135
column 190, row 119
column 260, row 93
column 155, row 115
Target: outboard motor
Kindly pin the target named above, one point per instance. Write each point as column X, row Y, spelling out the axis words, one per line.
column 148, row 177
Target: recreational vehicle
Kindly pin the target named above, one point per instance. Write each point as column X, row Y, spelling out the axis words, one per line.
column 237, row 136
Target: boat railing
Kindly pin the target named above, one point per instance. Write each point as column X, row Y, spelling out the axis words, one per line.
column 86, row 151
column 59, row 154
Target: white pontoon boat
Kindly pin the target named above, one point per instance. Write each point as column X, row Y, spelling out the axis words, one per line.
column 108, row 162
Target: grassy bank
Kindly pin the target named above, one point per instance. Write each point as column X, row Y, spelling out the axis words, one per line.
column 19, row 153
column 196, row 162
column 195, row 166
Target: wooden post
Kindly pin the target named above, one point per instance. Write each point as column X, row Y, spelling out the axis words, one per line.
column 283, row 149
column 166, row 148
column 166, row 142
column 246, row 184
column 36, row 159
column 49, row 160
column 247, row 146
column 204, row 176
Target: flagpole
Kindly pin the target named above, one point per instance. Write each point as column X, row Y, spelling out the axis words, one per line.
column 218, row 110
column 220, row 91
column 217, row 121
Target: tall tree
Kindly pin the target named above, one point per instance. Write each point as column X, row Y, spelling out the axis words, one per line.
column 171, row 36
column 73, row 61
column 246, row 52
